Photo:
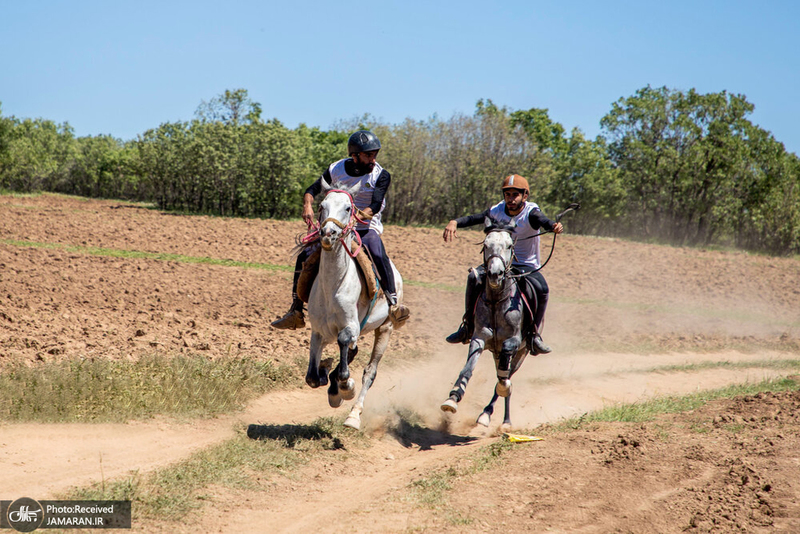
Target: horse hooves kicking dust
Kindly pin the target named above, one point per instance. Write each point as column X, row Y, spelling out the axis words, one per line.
column 450, row 405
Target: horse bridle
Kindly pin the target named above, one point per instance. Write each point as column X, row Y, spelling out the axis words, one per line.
column 506, row 266
column 314, row 228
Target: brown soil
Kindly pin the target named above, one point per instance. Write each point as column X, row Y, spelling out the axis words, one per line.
column 618, row 310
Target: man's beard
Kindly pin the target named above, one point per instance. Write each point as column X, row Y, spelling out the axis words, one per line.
column 363, row 168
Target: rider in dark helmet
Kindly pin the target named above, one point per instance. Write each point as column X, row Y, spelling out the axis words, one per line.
column 529, row 221
column 360, row 167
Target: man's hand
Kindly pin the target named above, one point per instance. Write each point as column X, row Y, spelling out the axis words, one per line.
column 366, row 213
column 308, row 209
column 308, row 214
column 558, row 228
column 450, row 231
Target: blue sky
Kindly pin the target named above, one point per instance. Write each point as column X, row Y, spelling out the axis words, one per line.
column 121, row 68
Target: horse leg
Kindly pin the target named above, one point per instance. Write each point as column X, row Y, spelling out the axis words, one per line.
column 348, row 390
column 457, row 393
column 382, row 335
column 516, row 363
column 314, row 378
column 503, row 387
column 507, row 418
column 347, row 337
column 486, row 416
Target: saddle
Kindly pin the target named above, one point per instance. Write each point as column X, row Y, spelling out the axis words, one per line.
column 369, row 282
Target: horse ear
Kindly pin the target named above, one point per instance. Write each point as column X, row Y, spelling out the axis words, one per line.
column 354, row 190
column 325, row 185
column 488, row 223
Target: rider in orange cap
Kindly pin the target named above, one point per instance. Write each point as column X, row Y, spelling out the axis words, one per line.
column 530, row 221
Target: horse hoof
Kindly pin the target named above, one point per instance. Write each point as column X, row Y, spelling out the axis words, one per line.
column 506, row 427
column 348, row 389
column 313, row 383
column 484, row 419
column 450, row 406
column 503, row 388
column 335, row 400
column 352, row 422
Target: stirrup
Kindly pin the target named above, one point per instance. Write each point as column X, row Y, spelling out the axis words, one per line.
column 293, row 320
column 399, row 314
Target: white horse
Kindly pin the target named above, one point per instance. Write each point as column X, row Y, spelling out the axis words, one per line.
column 337, row 308
column 498, row 323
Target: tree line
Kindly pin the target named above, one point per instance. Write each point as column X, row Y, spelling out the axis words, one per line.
column 669, row 165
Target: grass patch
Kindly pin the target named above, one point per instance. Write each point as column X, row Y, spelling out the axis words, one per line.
column 430, row 491
column 16, row 194
column 638, row 412
column 115, row 391
column 434, row 285
column 242, row 462
column 704, row 366
column 137, row 254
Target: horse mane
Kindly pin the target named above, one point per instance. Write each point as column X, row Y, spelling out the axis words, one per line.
column 300, row 245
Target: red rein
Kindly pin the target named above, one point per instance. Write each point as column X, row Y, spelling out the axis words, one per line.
column 314, row 227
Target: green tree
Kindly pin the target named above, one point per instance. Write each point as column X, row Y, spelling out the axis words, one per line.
column 680, row 156
column 38, row 155
column 231, row 107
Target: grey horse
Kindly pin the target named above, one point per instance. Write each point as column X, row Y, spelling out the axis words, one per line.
column 499, row 318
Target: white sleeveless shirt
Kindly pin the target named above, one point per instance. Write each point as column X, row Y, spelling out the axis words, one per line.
column 525, row 250
column 363, row 198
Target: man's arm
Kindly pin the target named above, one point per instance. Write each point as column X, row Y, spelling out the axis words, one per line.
column 537, row 220
column 463, row 222
column 311, row 192
column 379, row 193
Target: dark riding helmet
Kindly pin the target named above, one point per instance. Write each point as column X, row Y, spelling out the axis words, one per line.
column 363, row 141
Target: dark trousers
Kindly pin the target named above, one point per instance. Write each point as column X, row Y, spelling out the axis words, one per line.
column 534, row 285
column 374, row 245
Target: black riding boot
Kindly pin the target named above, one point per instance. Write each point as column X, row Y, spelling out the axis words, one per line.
column 474, row 287
column 535, row 343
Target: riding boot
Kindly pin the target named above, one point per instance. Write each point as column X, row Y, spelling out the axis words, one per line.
column 535, row 343
column 293, row 319
column 464, row 332
column 398, row 313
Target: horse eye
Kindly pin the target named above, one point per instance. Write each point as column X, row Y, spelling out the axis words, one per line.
column 348, row 208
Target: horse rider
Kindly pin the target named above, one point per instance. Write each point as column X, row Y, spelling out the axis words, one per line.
column 530, row 221
column 360, row 167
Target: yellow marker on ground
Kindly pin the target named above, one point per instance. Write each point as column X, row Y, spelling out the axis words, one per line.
column 519, row 438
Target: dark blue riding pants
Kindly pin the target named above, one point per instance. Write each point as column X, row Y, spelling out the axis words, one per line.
column 374, row 245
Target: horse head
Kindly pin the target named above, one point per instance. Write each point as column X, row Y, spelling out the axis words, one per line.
column 336, row 213
column 498, row 251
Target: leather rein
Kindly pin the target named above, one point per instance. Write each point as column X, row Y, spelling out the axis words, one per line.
column 314, row 227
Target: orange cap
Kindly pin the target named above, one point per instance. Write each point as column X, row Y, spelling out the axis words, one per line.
column 515, row 181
